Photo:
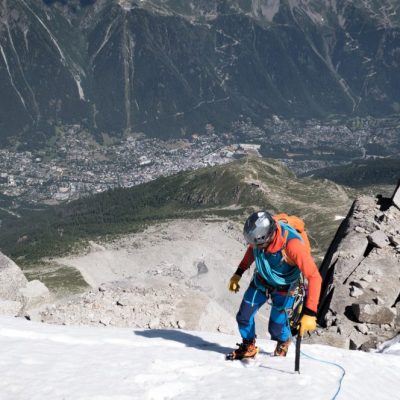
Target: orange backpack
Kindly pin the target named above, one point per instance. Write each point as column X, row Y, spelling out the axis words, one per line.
column 298, row 224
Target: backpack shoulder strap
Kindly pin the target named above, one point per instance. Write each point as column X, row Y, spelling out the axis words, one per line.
column 286, row 238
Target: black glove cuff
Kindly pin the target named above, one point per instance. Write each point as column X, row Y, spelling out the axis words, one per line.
column 307, row 311
column 239, row 272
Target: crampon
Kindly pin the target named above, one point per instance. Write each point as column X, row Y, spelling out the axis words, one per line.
column 282, row 348
column 246, row 349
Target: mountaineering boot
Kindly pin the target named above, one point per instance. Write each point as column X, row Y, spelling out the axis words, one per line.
column 247, row 349
column 282, row 348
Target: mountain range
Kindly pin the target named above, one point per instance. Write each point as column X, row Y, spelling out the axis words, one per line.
column 172, row 67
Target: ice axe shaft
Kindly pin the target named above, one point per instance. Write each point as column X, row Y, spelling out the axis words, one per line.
column 297, row 357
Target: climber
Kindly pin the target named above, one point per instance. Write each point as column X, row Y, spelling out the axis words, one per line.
column 281, row 259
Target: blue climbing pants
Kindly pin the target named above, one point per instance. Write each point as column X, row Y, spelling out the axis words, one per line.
column 278, row 326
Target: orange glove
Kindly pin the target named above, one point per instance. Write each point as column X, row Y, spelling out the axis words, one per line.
column 234, row 283
column 308, row 323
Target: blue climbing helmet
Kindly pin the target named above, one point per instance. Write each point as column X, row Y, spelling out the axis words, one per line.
column 259, row 228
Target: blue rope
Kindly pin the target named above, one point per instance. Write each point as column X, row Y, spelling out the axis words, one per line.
column 329, row 363
column 270, row 275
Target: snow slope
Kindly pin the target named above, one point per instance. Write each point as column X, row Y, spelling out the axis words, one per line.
column 40, row 362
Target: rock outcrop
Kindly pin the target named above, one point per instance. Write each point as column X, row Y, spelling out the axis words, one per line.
column 360, row 298
column 11, row 281
column 396, row 197
column 17, row 294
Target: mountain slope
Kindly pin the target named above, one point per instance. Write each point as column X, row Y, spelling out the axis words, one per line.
column 227, row 191
column 168, row 68
column 41, row 69
column 363, row 173
column 82, row 363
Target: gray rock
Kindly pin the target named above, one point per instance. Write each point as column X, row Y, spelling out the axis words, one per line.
column 344, row 256
column 230, row 225
column 34, row 289
column 378, row 239
column 375, row 289
column 355, row 291
column 387, row 273
column 105, row 321
column 397, row 319
column 14, row 287
column 354, row 246
column 378, row 300
column 122, row 302
column 363, row 329
column 373, row 313
column 154, row 323
column 202, row 267
column 367, row 278
column 10, row 307
column 344, row 328
column 181, row 324
column 356, row 340
column 334, row 329
column 11, row 279
column 330, row 319
column 396, row 196
column 360, row 284
column 329, row 338
column 375, row 271
column 361, row 206
column 376, row 225
column 386, row 327
column 392, row 214
column 34, row 294
column 394, row 240
column 370, row 344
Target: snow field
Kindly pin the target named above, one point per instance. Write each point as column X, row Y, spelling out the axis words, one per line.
column 40, row 361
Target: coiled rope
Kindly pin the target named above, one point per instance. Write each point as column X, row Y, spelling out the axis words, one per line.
column 329, row 363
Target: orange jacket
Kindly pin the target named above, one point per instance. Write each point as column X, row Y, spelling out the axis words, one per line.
column 302, row 258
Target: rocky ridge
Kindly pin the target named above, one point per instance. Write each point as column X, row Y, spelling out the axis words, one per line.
column 360, row 300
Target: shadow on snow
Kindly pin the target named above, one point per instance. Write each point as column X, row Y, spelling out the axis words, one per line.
column 183, row 337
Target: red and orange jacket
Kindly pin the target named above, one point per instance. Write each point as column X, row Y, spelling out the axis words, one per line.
column 297, row 252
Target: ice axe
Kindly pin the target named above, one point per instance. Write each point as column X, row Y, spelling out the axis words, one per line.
column 297, row 356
